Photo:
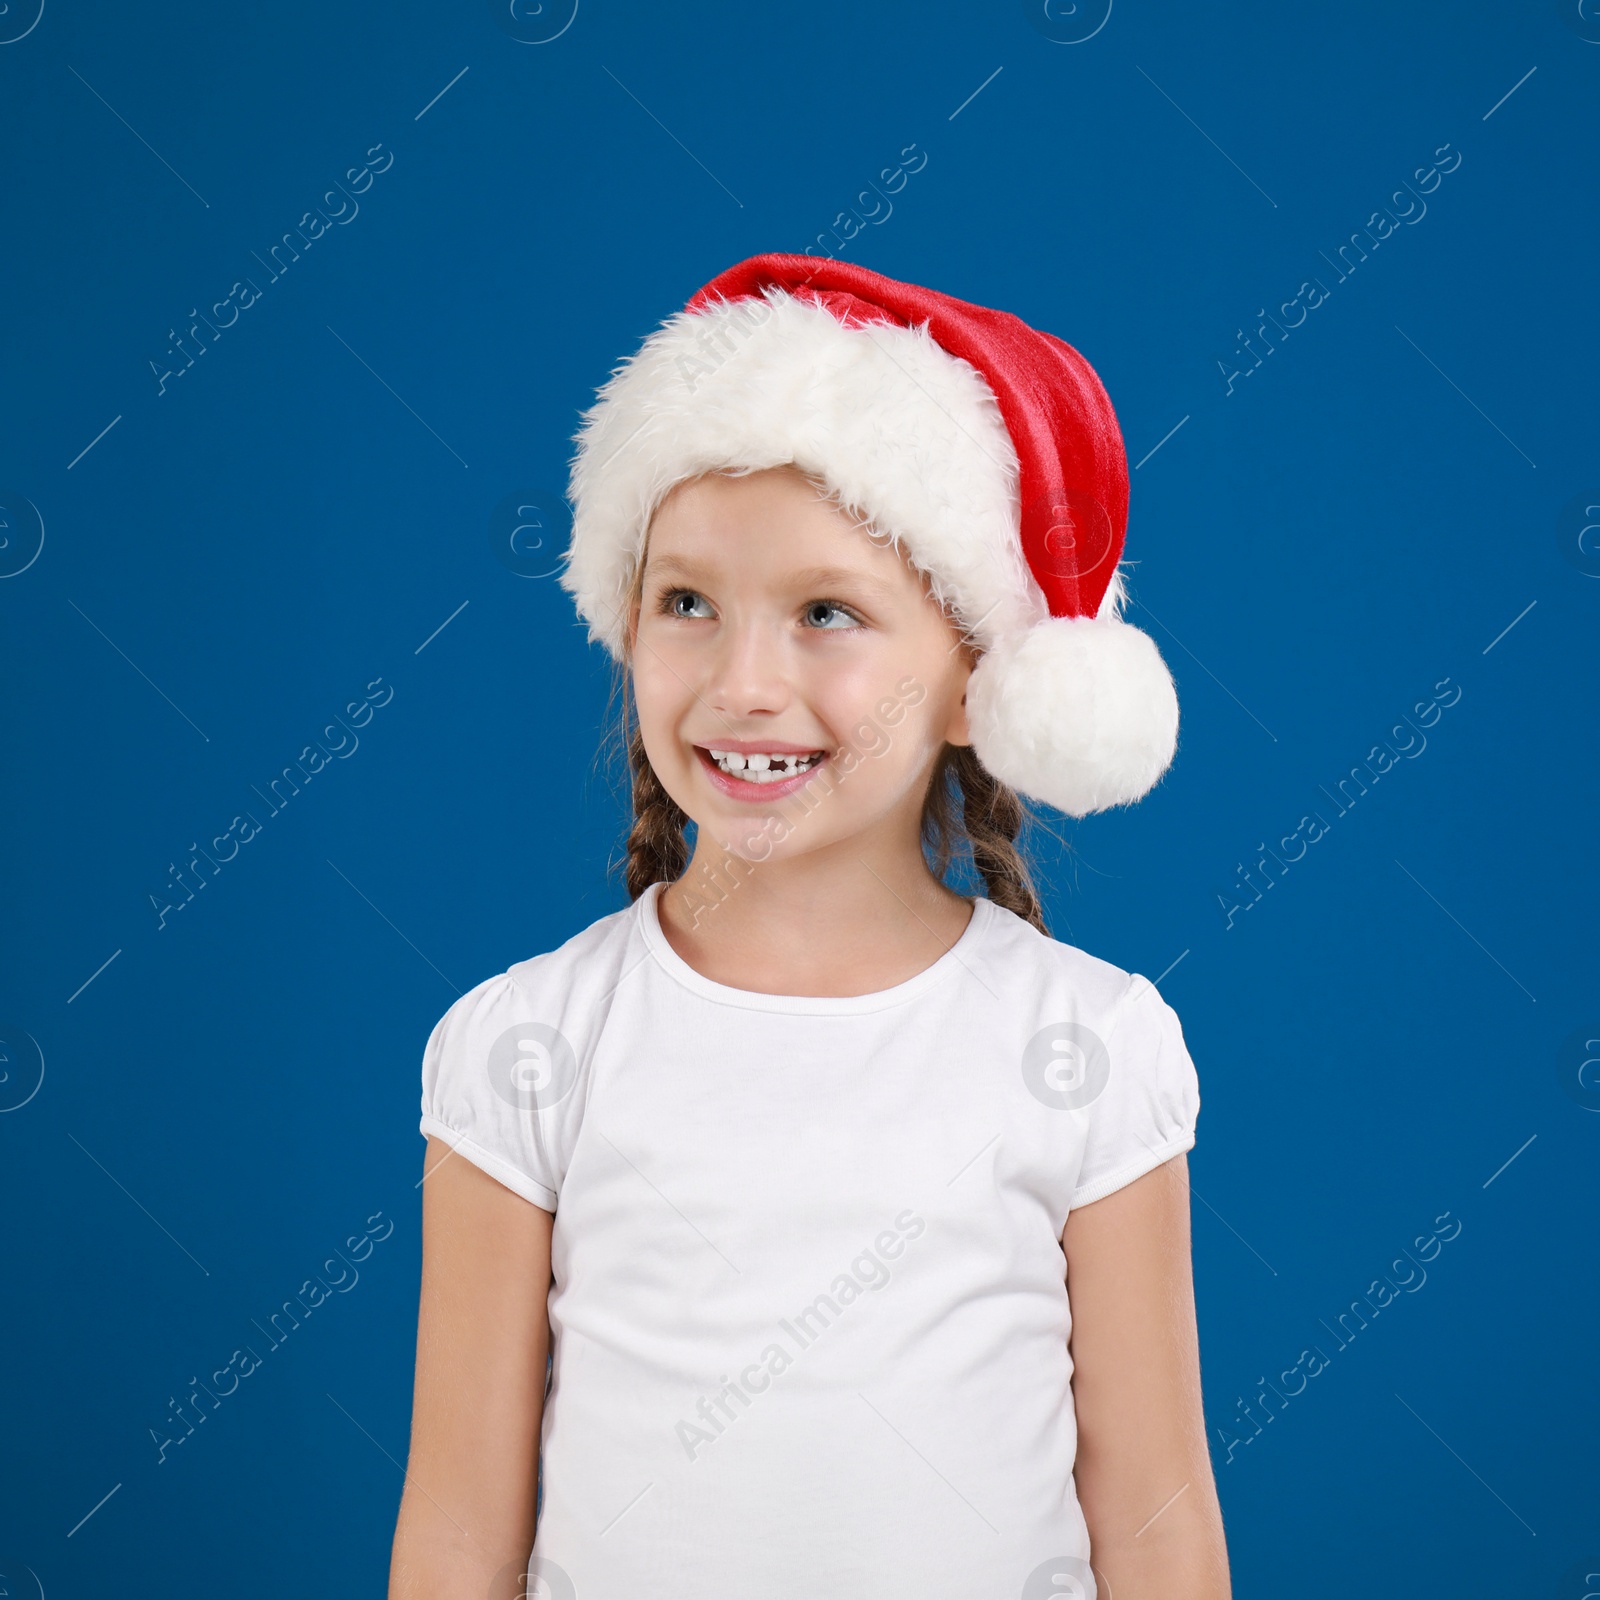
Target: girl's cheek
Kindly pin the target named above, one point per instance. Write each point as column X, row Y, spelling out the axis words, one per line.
column 655, row 704
column 659, row 664
column 868, row 739
column 894, row 715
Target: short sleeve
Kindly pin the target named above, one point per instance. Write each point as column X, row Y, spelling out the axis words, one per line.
column 1147, row 1111
column 493, row 1082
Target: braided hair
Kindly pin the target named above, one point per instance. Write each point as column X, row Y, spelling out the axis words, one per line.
column 657, row 849
column 990, row 819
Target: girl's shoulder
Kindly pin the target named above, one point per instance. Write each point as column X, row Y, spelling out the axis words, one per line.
column 565, row 981
column 1102, row 1043
column 1057, row 969
column 502, row 1068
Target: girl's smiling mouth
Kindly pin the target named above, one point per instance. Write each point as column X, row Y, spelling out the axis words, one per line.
column 744, row 771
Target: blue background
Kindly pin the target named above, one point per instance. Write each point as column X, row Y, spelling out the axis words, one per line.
column 311, row 508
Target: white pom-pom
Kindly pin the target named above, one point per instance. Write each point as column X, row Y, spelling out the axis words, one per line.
column 1077, row 712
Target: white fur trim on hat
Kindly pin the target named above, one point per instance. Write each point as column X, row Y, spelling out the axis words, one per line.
column 1077, row 712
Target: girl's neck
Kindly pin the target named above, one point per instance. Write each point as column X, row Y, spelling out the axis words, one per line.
column 820, row 924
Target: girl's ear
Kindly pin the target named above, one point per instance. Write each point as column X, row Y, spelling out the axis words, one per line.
column 958, row 730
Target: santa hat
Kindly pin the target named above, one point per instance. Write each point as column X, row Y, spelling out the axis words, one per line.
column 986, row 450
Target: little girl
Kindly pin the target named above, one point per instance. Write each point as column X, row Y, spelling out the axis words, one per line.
column 789, row 1167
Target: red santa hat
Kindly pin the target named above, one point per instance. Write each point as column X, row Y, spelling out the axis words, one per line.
column 986, row 450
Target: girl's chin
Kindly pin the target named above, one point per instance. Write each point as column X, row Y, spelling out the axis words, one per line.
column 753, row 838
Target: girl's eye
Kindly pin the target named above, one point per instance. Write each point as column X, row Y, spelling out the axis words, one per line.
column 848, row 622
column 674, row 600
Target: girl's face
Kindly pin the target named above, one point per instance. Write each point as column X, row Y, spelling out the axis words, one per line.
column 803, row 650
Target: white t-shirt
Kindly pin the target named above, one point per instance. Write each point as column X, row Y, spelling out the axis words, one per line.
column 809, row 1311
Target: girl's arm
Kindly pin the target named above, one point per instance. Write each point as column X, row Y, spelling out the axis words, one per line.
column 466, row 1520
column 1143, row 1474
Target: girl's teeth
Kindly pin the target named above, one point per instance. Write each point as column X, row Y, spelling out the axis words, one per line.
column 760, row 767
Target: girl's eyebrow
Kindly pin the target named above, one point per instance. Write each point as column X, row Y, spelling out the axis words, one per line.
column 839, row 578
column 809, row 578
column 672, row 567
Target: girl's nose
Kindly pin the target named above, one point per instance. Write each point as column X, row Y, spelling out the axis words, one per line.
column 748, row 672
